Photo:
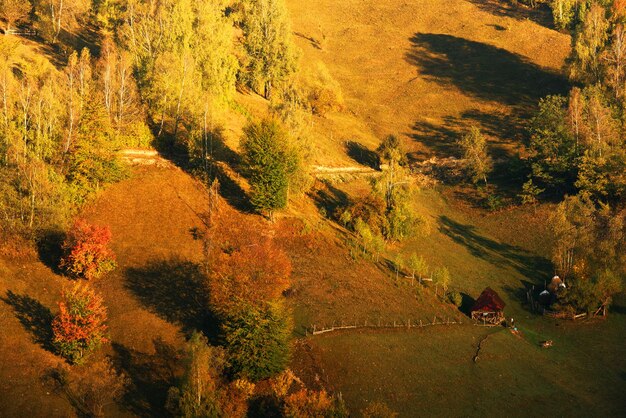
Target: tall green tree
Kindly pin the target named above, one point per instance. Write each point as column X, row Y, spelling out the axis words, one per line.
column 589, row 43
column 553, row 149
column 270, row 164
column 271, row 54
column 477, row 161
column 257, row 340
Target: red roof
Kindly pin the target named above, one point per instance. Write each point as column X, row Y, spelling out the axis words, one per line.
column 488, row 301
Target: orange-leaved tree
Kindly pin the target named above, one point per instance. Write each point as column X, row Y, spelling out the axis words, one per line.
column 86, row 251
column 248, row 275
column 311, row 403
column 79, row 328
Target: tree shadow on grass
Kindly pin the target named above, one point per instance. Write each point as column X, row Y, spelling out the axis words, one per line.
column 329, row 199
column 504, row 133
column 441, row 139
column 467, row 303
column 541, row 14
column 34, row 317
column 482, row 71
column 220, row 162
column 151, row 377
column 174, row 290
column 50, row 249
column 494, row 252
column 362, row 155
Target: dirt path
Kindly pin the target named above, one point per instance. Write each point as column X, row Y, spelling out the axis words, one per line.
column 143, row 157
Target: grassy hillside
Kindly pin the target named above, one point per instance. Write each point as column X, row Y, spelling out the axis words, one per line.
column 425, row 70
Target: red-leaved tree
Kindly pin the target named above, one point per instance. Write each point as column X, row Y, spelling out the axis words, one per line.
column 79, row 328
column 86, row 251
column 250, row 273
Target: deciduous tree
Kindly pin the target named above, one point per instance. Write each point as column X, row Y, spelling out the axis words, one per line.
column 272, row 56
column 203, row 391
column 87, row 251
column 477, row 160
column 13, row 12
column 79, row 327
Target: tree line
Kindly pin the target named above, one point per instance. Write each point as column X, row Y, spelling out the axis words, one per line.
column 577, row 154
column 129, row 73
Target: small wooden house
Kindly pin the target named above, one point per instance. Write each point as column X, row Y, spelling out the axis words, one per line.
column 488, row 308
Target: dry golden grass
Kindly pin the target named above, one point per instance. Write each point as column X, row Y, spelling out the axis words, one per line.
column 427, row 69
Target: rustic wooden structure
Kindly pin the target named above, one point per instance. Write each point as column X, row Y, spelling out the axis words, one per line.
column 488, row 308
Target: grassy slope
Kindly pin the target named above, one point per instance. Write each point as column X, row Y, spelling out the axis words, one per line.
column 410, row 68
column 153, row 297
column 426, row 69
column 156, row 295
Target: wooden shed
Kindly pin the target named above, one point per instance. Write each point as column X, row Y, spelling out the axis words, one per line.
column 488, row 308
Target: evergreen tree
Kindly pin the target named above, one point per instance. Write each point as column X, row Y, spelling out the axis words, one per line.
column 257, row 340
column 270, row 164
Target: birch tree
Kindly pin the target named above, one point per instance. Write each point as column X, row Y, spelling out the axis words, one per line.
column 272, row 56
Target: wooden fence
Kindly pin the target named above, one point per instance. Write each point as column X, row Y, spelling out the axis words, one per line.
column 563, row 315
column 408, row 324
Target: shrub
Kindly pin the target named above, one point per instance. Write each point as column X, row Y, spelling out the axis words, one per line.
column 455, row 298
column 79, row 327
column 370, row 210
column 136, row 135
column 588, row 294
column 324, row 92
column 494, row 202
column 312, row 404
column 92, row 388
column 87, row 252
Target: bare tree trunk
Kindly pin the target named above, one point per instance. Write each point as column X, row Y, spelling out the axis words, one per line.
column 121, row 98
column 180, row 97
column 70, row 129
